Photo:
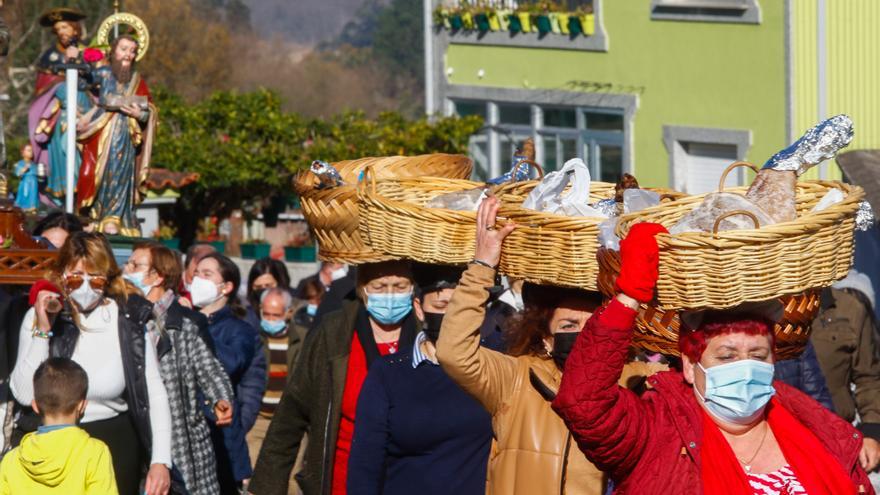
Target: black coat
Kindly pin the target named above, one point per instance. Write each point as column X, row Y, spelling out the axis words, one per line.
column 133, row 316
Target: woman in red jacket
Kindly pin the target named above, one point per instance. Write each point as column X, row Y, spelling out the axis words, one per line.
column 719, row 426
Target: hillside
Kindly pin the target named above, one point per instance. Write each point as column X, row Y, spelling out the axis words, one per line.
column 302, row 21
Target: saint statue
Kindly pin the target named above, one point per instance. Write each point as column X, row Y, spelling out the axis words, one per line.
column 117, row 139
column 47, row 124
column 27, row 197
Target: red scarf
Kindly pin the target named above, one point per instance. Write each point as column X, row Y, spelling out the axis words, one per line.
column 817, row 470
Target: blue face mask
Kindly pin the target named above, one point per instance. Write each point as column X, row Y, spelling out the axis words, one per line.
column 738, row 392
column 273, row 327
column 312, row 309
column 137, row 279
column 388, row 309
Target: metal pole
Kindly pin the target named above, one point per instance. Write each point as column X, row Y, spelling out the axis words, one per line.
column 821, row 71
column 116, row 26
column 71, row 82
column 427, row 7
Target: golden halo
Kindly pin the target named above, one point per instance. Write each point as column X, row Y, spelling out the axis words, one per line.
column 143, row 34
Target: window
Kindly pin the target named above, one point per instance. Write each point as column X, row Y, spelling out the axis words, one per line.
column 515, row 114
column 699, row 155
column 467, row 108
column 742, row 11
column 561, row 132
column 705, row 164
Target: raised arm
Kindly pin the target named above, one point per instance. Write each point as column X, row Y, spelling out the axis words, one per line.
column 483, row 373
column 610, row 423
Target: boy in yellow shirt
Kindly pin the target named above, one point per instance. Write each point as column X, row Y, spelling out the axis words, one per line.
column 59, row 457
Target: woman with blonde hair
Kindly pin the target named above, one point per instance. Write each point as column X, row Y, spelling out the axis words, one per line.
column 102, row 326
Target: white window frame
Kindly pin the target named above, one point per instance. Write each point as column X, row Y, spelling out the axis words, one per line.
column 674, row 138
column 724, row 11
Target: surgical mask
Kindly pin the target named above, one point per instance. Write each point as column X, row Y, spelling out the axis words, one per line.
column 388, row 309
column 738, row 392
column 85, row 296
column 204, row 292
column 563, row 342
column 273, row 327
column 339, row 273
column 312, row 309
column 138, row 280
column 431, row 326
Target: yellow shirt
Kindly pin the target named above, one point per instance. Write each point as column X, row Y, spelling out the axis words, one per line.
column 64, row 461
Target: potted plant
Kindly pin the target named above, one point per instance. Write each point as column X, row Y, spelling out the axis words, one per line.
column 300, row 248
column 255, row 249
column 542, row 18
column 167, row 235
column 208, row 233
column 587, row 20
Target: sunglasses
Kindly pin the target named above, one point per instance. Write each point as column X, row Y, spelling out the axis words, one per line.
column 74, row 282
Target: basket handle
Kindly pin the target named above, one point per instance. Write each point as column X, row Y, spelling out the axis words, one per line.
column 530, row 163
column 733, row 213
column 731, row 167
column 368, row 172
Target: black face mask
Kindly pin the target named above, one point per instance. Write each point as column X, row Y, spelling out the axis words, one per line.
column 431, row 326
column 562, row 345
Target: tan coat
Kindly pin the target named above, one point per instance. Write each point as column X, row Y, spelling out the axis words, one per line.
column 534, row 453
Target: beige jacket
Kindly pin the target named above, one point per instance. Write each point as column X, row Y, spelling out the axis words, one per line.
column 534, row 453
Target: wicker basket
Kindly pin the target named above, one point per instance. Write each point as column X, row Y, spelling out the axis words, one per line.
column 657, row 327
column 552, row 249
column 395, row 221
column 723, row 269
column 332, row 213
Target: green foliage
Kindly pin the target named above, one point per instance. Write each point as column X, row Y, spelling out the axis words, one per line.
column 245, row 147
column 399, row 39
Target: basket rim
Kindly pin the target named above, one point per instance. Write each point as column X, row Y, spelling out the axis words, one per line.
column 374, row 194
column 812, row 220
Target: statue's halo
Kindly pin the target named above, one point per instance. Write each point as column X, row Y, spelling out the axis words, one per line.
column 143, row 34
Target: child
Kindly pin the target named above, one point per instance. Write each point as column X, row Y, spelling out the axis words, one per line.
column 59, row 457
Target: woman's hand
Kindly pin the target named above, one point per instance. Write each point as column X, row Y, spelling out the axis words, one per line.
column 639, row 262
column 223, row 412
column 489, row 238
column 44, row 317
column 158, row 480
column 869, row 456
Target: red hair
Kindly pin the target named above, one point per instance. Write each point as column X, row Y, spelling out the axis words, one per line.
column 692, row 343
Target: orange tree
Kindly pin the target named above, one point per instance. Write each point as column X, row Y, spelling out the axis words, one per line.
column 245, row 147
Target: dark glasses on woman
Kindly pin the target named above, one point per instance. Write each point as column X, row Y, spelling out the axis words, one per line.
column 74, row 282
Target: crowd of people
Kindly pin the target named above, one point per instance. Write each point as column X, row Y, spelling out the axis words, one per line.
column 168, row 374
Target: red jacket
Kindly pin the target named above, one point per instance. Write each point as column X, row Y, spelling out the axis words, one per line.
column 651, row 444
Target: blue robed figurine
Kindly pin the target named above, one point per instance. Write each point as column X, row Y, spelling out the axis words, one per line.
column 28, row 196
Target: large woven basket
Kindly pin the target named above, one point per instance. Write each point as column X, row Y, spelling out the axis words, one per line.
column 395, row 221
column 657, row 327
column 332, row 213
column 723, row 269
column 552, row 249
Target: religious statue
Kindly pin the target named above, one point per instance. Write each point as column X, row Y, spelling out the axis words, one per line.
column 28, row 196
column 47, row 124
column 117, row 134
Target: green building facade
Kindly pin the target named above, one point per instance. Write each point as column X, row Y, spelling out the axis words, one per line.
column 671, row 91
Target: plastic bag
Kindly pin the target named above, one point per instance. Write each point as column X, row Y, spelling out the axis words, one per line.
column 702, row 219
column 548, row 196
column 468, row 200
column 607, row 236
column 831, row 198
column 638, row 199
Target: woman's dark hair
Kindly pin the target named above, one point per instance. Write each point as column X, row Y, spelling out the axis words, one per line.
column 59, row 219
column 525, row 331
column 264, row 266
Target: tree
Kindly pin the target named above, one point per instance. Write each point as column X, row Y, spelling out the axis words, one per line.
column 398, row 41
column 244, row 146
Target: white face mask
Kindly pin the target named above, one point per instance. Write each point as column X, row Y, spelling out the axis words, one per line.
column 204, row 292
column 86, row 297
column 339, row 273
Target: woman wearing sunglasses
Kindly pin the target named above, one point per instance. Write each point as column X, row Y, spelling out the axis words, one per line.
column 102, row 326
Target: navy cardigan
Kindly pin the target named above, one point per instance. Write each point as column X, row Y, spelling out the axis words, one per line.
column 416, row 431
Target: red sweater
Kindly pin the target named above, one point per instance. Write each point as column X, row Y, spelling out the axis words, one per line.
column 354, row 380
column 652, row 444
